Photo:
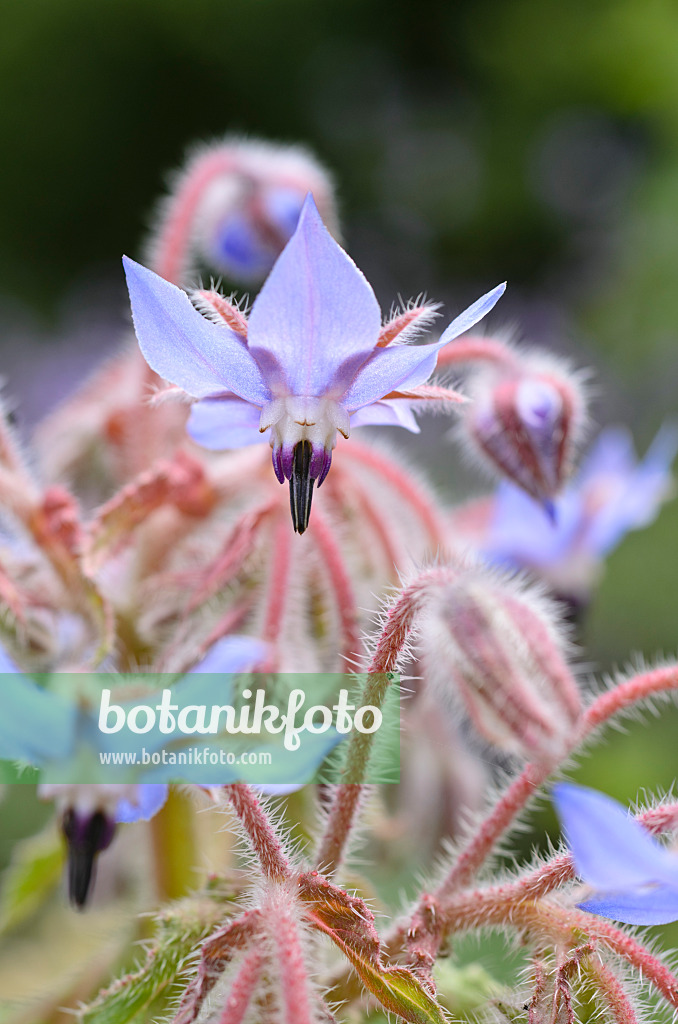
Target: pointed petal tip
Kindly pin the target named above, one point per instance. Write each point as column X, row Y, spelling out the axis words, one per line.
column 309, row 212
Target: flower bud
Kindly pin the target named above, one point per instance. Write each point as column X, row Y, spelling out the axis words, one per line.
column 494, row 646
column 526, row 418
column 234, row 207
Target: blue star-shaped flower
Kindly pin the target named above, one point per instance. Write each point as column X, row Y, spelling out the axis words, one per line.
column 612, row 494
column 310, row 365
column 635, row 878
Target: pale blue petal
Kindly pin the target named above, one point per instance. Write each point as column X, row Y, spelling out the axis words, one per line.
column 611, row 453
column 394, row 412
column 656, row 905
column 389, row 369
column 238, row 249
column 520, row 533
column 634, row 492
column 475, row 312
column 197, row 355
column 611, row 850
column 233, row 654
column 6, row 663
column 35, row 725
column 150, row 798
column 223, row 423
column 280, row 788
column 315, row 312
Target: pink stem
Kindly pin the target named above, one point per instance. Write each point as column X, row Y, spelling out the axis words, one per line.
column 295, row 988
column 534, row 775
column 611, row 992
column 469, row 349
column 404, row 486
column 623, row 695
column 171, row 248
column 262, row 835
column 278, row 582
column 347, row 799
column 339, row 485
column 340, row 582
column 497, row 822
column 471, row 910
column 242, row 989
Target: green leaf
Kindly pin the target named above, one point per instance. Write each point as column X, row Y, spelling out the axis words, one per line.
column 180, row 929
column 33, row 873
column 350, row 924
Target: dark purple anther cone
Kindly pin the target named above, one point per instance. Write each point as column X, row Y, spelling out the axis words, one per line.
column 301, row 486
column 86, row 836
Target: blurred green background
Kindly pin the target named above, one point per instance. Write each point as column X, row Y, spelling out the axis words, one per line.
column 472, row 141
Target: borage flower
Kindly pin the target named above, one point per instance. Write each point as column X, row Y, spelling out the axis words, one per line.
column 49, row 730
column 311, row 360
column 611, row 495
column 635, row 878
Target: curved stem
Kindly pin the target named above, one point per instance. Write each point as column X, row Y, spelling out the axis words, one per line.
column 262, row 834
column 242, row 989
column 278, row 582
column 173, row 240
column 404, row 487
column 469, row 349
column 392, row 641
column 611, row 992
column 622, row 696
column 340, row 582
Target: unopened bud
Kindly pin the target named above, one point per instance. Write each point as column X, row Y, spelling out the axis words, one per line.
column 526, row 419
column 494, row 645
column 234, row 207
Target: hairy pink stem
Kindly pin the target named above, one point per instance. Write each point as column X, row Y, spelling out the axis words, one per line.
column 404, row 486
column 514, row 799
column 340, row 582
column 469, row 349
column 619, row 942
column 472, row 910
column 532, row 886
column 627, row 693
column 294, row 985
column 262, row 835
column 173, row 240
column 611, row 992
column 493, row 827
column 339, row 485
column 395, row 632
column 278, row 582
column 242, row 989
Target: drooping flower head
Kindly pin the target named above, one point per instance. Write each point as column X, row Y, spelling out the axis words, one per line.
column 311, row 359
column 635, row 878
column 233, row 207
column 525, row 420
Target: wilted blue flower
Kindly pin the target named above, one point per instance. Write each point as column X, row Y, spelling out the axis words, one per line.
column 311, row 363
column 611, row 495
column 635, row 878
